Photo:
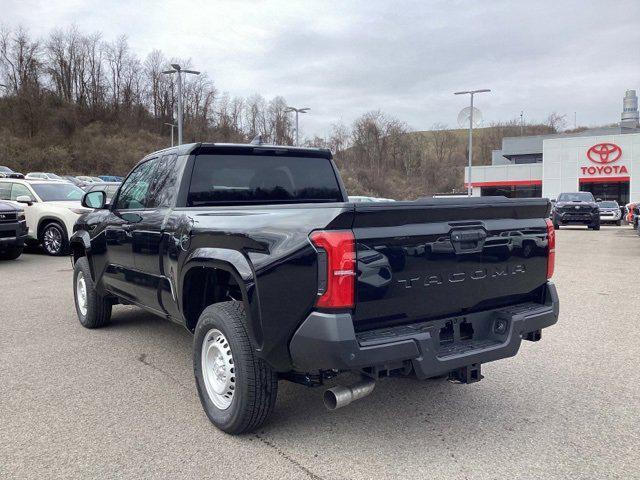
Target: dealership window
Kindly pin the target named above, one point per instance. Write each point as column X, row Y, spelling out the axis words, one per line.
column 513, row 191
column 618, row 191
column 527, row 158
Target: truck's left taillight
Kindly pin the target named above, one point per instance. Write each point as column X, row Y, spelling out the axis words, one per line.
column 336, row 268
column 551, row 242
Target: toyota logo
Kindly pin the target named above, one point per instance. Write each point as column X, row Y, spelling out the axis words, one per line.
column 604, row 153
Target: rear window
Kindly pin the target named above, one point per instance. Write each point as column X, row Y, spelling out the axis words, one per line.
column 250, row 179
column 608, row 204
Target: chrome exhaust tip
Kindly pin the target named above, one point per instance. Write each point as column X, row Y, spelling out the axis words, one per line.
column 341, row 396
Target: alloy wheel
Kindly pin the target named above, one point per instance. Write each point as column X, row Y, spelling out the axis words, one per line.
column 52, row 240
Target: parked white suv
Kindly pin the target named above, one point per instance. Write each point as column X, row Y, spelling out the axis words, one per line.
column 51, row 209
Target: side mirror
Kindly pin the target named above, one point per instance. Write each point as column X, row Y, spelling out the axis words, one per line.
column 25, row 199
column 95, row 199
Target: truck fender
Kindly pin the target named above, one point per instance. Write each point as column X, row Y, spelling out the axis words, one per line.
column 81, row 241
column 238, row 266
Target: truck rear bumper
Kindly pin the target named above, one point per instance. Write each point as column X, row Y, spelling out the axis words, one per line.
column 328, row 341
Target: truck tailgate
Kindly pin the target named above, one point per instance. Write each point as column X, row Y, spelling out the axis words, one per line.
column 440, row 257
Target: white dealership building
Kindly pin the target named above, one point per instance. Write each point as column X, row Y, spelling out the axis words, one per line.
column 602, row 161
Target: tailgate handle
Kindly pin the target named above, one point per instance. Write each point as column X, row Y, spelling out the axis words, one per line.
column 468, row 241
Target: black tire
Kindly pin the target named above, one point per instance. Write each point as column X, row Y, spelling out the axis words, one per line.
column 98, row 307
column 556, row 226
column 58, row 231
column 619, row 223
column 11, row 253
column 256, row 384
column 596, row 227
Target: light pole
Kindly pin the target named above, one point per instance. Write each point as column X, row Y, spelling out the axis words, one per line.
column 172, row 125
column 297, row 110
column 471, row 93
column 179, row 70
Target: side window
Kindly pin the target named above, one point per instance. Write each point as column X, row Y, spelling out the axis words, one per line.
column 166, row 181
column 133, row 193
column 18, row 190
column 5, row 191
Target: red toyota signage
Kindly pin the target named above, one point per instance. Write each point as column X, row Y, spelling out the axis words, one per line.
column 603, row 154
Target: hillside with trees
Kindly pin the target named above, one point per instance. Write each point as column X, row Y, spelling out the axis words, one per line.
column 79, row 104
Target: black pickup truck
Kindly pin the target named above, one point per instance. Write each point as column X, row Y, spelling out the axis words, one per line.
column 257, row 251
column 13, row 230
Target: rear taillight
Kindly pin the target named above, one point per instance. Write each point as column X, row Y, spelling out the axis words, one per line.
column 551, row 239
column 336, row 268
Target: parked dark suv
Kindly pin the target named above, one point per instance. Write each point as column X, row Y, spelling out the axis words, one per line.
column 13, row 231
column 577, row 208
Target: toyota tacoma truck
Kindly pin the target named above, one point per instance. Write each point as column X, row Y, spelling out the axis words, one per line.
column 257, row 251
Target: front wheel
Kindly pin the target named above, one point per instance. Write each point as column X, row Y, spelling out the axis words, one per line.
column 237, row 389
column 93, row 309
column 54, row 239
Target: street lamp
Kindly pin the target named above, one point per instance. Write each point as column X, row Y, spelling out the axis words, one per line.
column 179, row 70
column 297, row 110
column 471, row 93
column 172, row 125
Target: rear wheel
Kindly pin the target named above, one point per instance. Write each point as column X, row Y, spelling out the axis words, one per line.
column 237, row 389
column 11, row 253
column 93, row 309
column 54, row 239
column 619, row 223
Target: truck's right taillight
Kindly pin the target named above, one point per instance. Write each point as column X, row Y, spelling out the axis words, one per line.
column 336, row 268
column 551, row 241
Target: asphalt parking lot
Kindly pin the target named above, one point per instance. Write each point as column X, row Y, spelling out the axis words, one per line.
column 121, row 403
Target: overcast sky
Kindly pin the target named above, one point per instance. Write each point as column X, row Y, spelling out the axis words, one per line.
column 344, row 58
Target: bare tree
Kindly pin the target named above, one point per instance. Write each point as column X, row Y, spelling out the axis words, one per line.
column 20, row 60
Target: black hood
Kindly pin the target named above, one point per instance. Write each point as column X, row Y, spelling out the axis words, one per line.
column 7, row 207
column 577, row 204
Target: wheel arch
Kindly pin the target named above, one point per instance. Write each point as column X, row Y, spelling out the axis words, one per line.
column 47, row 219
column 80, row 246
column 213, row 275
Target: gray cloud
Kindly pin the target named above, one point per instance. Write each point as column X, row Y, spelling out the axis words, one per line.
column 406, row 57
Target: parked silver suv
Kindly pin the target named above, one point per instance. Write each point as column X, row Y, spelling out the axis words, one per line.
column 610, row 212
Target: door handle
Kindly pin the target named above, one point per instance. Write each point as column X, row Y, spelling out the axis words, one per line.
column 468, row 241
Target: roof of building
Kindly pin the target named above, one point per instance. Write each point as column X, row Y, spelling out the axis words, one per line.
column 532, row 144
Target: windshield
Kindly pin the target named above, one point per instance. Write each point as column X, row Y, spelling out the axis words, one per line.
column 608, row 204
column 54, row 176
column 50, row 192
column 576, row 197
column 5, row 169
